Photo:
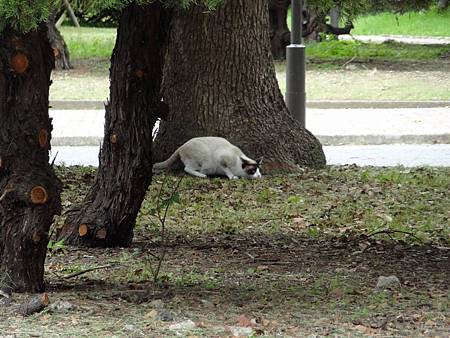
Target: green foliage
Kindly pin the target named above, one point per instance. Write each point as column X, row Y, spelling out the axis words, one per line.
column 97, row 11
column 23, row 15
column 56, row 246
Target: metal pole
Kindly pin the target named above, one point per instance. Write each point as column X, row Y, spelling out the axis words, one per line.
column 295, row 68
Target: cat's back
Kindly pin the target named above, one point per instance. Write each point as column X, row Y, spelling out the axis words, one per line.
column 211, row 142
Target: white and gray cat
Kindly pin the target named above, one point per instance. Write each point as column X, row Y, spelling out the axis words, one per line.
column 210, row 156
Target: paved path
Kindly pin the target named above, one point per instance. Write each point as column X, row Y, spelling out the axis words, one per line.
column 332, row 126
column 350, row 136
column 409, row 155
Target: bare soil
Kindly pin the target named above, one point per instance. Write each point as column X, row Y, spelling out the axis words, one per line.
column 350, row 80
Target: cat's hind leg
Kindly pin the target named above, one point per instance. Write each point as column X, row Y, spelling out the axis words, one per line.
column 193, row 172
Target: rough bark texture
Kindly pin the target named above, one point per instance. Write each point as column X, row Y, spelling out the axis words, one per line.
column 108, row 213
column 29, row 189
column 219, row 80
column 60, row 50
column 280, row 36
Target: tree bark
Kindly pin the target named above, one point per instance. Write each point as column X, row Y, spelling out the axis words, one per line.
column 59, row 47
column 29, row 188
column 219, row 80
column 280, row 36
column 108, row 213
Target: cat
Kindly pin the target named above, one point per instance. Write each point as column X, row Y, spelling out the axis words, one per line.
column 212, row 156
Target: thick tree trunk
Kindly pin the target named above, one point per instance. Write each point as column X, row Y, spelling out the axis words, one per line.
column 280, row 36
column 108, row 213
column 219, row 80
column 60, row 50
column 29, row 189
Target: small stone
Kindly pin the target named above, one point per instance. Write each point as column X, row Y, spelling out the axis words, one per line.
column 165, row 316
column 387, row 282
column 184, row 325
column 129, row 327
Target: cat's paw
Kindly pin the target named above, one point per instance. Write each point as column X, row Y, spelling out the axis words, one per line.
column 235, row 178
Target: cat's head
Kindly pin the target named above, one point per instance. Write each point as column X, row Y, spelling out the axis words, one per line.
column 251, row 168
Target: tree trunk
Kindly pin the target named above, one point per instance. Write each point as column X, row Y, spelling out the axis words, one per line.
column 107, row 215
column 442, row 4
column 29, row 189
column 60, row 50
column 315, row 23
column 219, row 80
column 280, row 36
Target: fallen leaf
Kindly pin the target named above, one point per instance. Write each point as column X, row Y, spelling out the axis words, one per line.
column 151, row 314
column 300, row 222
column 262, row 267
column 244, row 321
column 338, row 293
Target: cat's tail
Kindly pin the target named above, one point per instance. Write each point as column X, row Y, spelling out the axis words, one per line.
column 160, row 166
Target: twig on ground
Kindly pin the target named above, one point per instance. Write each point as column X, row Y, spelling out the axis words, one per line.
column 78, row 273
column 389, row 232
column 349, row 61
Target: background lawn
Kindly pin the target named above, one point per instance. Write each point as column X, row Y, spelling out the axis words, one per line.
column 424, row 23
column 428, row 23
column 361, row 71
column 89, row 42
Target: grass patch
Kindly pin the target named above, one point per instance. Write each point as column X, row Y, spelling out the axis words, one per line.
column 89, row 42
column 338, row 50
column 409, row 205
column 336, row 202
column 424, row 23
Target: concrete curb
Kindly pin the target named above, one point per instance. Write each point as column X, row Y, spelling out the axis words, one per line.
column 327, row 140
column 363, row 104
column 77, row 141
column 319, row 104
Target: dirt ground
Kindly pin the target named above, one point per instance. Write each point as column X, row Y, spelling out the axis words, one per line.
column 257, row 282
column 376, row 80
column 261, row 286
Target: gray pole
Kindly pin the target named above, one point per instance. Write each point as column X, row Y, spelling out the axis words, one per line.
column 295, row 69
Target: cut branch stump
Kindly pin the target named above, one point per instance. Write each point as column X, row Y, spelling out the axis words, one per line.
column 34, row 305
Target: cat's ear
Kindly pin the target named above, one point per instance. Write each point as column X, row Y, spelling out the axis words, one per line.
column 259, row 161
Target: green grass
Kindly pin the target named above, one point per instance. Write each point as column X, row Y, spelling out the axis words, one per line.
column 88, row 42
column 335, row 50
column 425, row 23
column 428, row 23
column 410, row 203
column 333, row 202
